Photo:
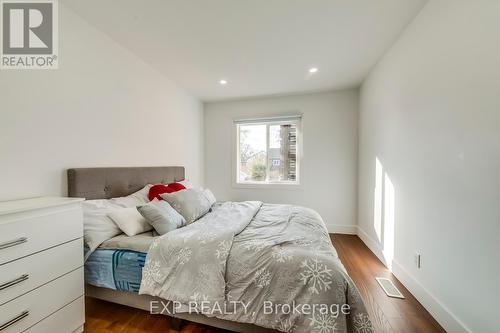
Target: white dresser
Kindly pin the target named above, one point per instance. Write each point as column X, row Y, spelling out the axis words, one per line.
column 41, row 266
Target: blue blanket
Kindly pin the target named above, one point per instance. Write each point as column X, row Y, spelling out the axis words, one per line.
column 115, row 269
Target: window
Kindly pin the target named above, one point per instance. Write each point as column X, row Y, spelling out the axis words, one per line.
column 268, row 150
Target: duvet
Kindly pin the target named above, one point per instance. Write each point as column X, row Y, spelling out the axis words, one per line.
column 269, row 265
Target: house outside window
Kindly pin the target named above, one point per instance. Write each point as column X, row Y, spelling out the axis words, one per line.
column 268, row 150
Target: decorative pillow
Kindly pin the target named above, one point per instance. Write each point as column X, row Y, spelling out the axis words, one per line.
column 156, row 190
column 177, row 186
column 161, row 216
column 190, row 203
column 129, row 221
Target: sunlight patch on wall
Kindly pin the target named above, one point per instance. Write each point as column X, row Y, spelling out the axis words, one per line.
column 384, row 205
column 377, row 206
column 389, row 205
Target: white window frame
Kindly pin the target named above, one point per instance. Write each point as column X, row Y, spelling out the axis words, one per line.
column 268, row 121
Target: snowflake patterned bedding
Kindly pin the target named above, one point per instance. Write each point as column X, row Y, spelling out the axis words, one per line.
column 252, row 259
column 115, row 269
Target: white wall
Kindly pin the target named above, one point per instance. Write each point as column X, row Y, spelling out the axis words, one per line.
column 328, row 169
column 430, row 112
column 102, row 107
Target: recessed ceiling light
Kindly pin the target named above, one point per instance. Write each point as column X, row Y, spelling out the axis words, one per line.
column 313, row 70
column 223, row 82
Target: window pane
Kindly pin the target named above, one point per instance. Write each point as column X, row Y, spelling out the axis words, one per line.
column 252, row 148
column 282, row 153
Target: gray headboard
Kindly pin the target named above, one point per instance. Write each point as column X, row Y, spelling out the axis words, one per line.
column 106, row 183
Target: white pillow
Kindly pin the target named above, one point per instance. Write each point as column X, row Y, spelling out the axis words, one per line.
column 130, row 221
column 135, row 199
column 97, row 226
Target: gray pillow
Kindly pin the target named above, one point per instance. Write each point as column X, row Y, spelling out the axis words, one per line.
column 191, row 203
column 210, row 196
column 162, row 217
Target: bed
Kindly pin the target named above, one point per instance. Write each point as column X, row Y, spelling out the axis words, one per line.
column 262, row 256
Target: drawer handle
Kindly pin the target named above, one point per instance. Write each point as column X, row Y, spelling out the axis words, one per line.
column 14, row 320
column 13, row 242
column 20, row 279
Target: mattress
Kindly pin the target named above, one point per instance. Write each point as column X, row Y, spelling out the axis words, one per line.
column 138, row 243
column 117, row 263
column 115, row 269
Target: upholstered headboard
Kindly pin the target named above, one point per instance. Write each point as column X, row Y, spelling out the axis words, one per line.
column 106, row 183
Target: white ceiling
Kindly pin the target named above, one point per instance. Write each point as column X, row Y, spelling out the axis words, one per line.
column 261, row 47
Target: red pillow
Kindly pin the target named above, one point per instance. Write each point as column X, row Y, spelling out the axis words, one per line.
column 177, row 186
column 156, row 190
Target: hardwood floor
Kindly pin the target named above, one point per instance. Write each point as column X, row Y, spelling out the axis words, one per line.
column 387, row 314
column 106, row 317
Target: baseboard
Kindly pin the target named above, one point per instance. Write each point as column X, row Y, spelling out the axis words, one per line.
column 440, row 312
column 342, row 229
column 371, row 244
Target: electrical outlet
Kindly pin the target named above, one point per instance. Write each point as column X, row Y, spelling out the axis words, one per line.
column 417, row 260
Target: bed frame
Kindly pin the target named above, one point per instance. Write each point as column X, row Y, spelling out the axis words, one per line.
column 106, row 183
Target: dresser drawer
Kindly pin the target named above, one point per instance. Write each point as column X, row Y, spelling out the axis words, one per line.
column 67, row 320
column 27, row 310
column 24, row 233
column 20, row 276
